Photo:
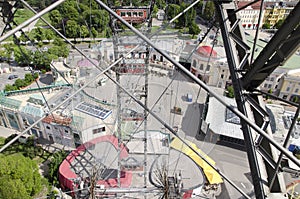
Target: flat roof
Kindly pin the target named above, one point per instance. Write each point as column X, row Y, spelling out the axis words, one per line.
column 217, row 119
column 291, row 63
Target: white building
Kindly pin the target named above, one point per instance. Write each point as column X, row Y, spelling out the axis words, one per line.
column 249, row 15
column 210, row 65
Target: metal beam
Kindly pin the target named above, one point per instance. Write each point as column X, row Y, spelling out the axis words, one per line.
column 227, row 19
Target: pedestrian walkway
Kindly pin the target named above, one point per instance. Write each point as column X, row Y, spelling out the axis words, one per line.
column 6, row 132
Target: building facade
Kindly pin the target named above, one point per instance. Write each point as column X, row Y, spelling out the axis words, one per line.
column 290, row 86
column 249, row 16
column 275, row 11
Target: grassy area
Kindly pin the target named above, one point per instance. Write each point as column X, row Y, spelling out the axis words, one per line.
column 37, row 153
column 2, row 140
column 22, row 15
column 41, row 23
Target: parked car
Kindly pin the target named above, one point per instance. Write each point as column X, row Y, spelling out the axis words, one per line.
column 28, row 68
column 13, row 76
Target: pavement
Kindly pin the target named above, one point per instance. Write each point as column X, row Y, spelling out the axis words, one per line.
column 6, row 132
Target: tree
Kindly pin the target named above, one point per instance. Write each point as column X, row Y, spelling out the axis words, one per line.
column 84, row 31
column 19, row 177
column 38, row 34
column 161, row 4
column 172, row 11
column 56, row 18
column 72, row 29
column 209, row 10
column 23, row 56
column 194, row 29
column 9, row 87
column 187, row 18
column 230, row 92
column 53, row 166
column 279, row 23
column 11, row 188
column 266, row 25
column 20, row 83
column 49, row 35
column 29, row 78
column 94, row 32
column 72, row 13
column 7, row 52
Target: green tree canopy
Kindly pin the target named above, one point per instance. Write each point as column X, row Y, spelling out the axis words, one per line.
column 172, row 11
column 230, row 92
column 23, row 56
column 56, row 18
column 209, row 10
column 54, row 164
column 279, row 23
column 38, row 34
column 194, row 29
column 9, row 87
column 72, row 29
column 266, row 26
column 19, row 177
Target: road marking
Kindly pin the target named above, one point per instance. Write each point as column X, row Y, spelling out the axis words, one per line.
column 243, row 185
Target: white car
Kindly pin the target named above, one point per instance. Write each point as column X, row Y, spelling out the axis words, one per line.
column 28, row 68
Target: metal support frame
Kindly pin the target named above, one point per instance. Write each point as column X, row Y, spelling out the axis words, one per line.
column 206, row 88
column 224, row 11
column 237, row 112
column 282, row 45
column 285, row 144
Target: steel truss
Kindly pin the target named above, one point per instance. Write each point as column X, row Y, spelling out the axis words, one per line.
column 258, row 142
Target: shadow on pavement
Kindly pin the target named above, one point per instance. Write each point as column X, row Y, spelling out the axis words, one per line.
column 46, row 79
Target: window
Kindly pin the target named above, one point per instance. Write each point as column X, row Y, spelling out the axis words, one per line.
column 66, row 131
column 297, row 90
column 222, row 76
column 288, row 89
column 265, row 85
column 272, row 78
column 201, row 66
column 194, row 63
column 99, row 130
column 270, row 85
column 48, row 127
column 122, row 14
column 208, row 68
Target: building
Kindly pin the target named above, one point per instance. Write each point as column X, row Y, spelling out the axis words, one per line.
column 160, row 15
column 224, row 125
column 275, row 11
column 249, row 16
column 290, row 86
column 210, row 65
column 272, row 83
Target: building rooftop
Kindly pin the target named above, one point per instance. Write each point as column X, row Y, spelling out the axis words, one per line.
column 290, row 64
column 255, row 6
column 206, row 51
column 217, row 119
